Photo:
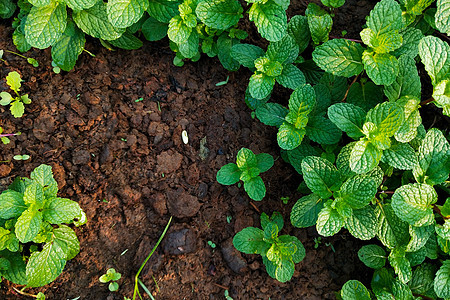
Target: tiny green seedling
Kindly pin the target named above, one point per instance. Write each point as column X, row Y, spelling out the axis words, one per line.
column 285, row 200
column 111, row 276
column 229, row 218
column 227, row 295
column 139, row 100
column 17, row 103
column 223, row 82
column 279, row 253
column 4, row 137
column 56, row 68
column 211, row 244
column 30, row 60
column 247, row 168
column 21, row 157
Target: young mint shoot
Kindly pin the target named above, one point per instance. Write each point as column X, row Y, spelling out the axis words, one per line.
column 280, row 253
column 247, row 169
column 17, row 102
column 111, row 276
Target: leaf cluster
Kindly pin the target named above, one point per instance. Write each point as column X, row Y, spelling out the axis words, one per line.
column 35, row 243
column 17, row 102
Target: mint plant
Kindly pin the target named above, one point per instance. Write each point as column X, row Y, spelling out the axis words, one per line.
column 111, row 276
column 17, row 102
column 247, row 168
column 279, row 253
column 33, row 218
column 319, row 23
column 269, row 17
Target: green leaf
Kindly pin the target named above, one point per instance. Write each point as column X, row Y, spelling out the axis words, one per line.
column 163, row 10
column 343, row 160
column 387, row 116
column 66, row 51
column 422, row 280
column 276, row 218
column 400, row 156
column 297, row 155
column 381, row 43
column 362, row 223
column 228, row 174
column 17, row 108
column 385, row 17
column 246, row 54
column 45, row 25
column 284, row 271
column 60, row 210
column 413, row 203
column 65, row 235
column 245, row 159
column 391, row 230
column 417, row 257
column 250, row 241
column 189, row 48
column 321, row 130
column 284, row 51
column 358, row 191
column 400, row 264
column 321, row 176
column 443, row 16
column 409, row 128
column 289, row 137
column 94, row 22
column 261, row 85
column 300, row 253
column 373, row 256
column 28, row 225
column 320, row 23
column 333, row 3
column 224, row 45
column 442, row 280
column 410, row 45
column 364, row 157
column 301, row 103
column 270, row 233
column 306, row 211
column 434, row 159
column 419, row 237
column 178, row 31
column 416, row 7
column 12, row 204
column 382, row 68
column 154, row 30
column 16, row 272
column 353, row 289
column 336, row 84
column 366, row 95
column 291, row 77
column 14, row 81
column 264, row 161
column 8, row 240
column 298, row 29
column 407, row 82
column 43, row 175
column 124, row 13
column 339, row 57
column 127, row 41
column 219, row 14
column 441, row 95
column 272, row 114
column 20, row 41
column 34, row 194
column 348, row 118
column 7, row 9
column 43, row 267
column 255, row 188
column 80, row 4
column 435, row 55
column 329, row 221
column 270, row 19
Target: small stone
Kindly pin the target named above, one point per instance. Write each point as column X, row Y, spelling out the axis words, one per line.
column 180, row 242
column 169, row 161
column 181, row 204
column 233, row 257
column 202, row 190
column 5, row 170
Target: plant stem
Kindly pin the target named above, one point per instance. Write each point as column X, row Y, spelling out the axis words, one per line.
column 91, row 54
column 438, row 211
column 12, row 52
column 8, row 134
column 24, row 293
column 426, row 101
column 348, row 89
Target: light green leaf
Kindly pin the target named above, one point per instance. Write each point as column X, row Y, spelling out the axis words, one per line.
column 284, row 51
column 442, row 280
column 45, row 25
column 319, row 22
column 65, row 234
column 219, row 14
column 321, row 176
column 178, row 31
column 261, row 85
column 80, row 4
column 381, row 43
column 124, row 13
column 362, row 223
column 400, row 156
column 250, row 241
column 364, row 157
column 163, row 10
column 8, row 240
column 339, row 57
column 435, row 55
column 289, row 137
column 382, row 68
column 246, row 54
column 229, row 174
column 387, row 116
column 401, row 264
column 353, row 289
column 413, row 203
column 391, row 230
column 14, row 81
column 245, row 159
column 301, row 103
column 434, row 159
column 306, row 211
column 12, row 204
column 419, row 237
column 441, row 95
column 34, row 194
column 443, row 16
column 284, row 271
column 321, row 130
column 272, row 114
column 60, row 210
column 348, row 118
column 6, row 98
column 416, row 7
column 407, row 82
column 28, row 225
column 358, row 191
column 270, row 19
column 17, row 109
column 66, row 51
column 385, row 17
column 329, row 222
column 409, row 128
column 372, row 256
column 189, row 48
column 154, row 30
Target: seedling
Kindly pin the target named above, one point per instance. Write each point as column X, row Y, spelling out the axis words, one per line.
column 227, row 296
column 223, row 82
column 285, row 200
column 21, row 157
column 211, row 244
column 30, row 60
column 4, row 136
column 229, row 218
column 279, row 253
column 139, row 100
column 247, row 168
column 111, row 276
column 17, row 103
column 56, row 69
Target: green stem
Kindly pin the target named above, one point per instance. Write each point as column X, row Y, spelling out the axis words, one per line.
column 12, row 52
column 91, row 54
column 24, row 293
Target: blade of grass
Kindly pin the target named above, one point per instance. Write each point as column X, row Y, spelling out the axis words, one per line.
column 136, row 278
column 145, row 289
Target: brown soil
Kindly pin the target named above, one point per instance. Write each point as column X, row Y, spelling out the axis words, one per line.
column 125, row 163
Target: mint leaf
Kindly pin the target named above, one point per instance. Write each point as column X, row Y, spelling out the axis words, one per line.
column 301, row 103
column 441, row 95
column 387, row 116
column 154, row 30
column 291, row 77
column 343, row 160
column 250, row 241
column 400, row 156
column 219, row 14
column 60, row 210
column 407, row 82
column 94, row 21
column 298, row 29
column 124, row 13
column 189, row 48
column 320, row 176
column 272, row 114
column 400, row 264
column 339, row 57
column 178, row 31
column 270, row 19
column 319, row 22
column 422, row 280
column 358, row 191
column 34, row 194
column 329, row 221
column 45, row 25
column 276, row 218
column 16, row 272
column 68, row 236
column 8, row 240
column 224, row 45
column 434, row 159
column 373, row 256
column 382, row 68
column 80, row 4
column 366, row 95
column 391, row 230
column 246, row 54
column 443, row 16
column 66, row 51
column 381, row 43
column 127, row 41
column 442, row 280
column 20, row 41
column 321, row 130
column 12, row 204
column 364, row 157
column 362, row 223
column 410, row 45
column 284, row 51
column 246, row 159
column 306, row 211
column 296, row 156
column 28, row 225
column 255, row 188
column 409, row 129
column 261, row 85
column 437, row 66
column 163, row 10
column 413, row 203
column 353, row 289
column 385, row 17
column 348, row 118
column 264, row 162
column 289, row 137
column 419, row 237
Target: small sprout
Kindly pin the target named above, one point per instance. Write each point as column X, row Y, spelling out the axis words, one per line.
column 223, row 82
column 227, row 296
column 211, row 244
column 56, row 68
column 317, row 242
column 185, row 137
column 40, row 296
column 285, row 200
column 344, row 32
column 17, row 103
column 125, row 251
column 105, row 201
column 113, row 276
column 123, row 140
column 139, row 100
column 229, row 218
column 21, row 157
